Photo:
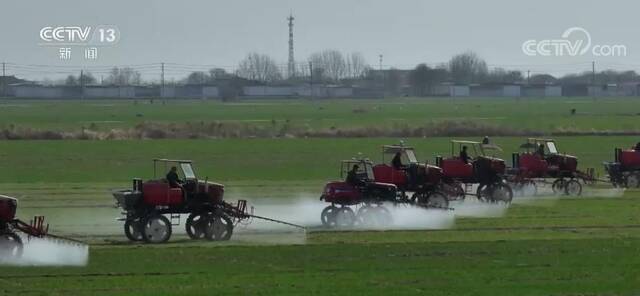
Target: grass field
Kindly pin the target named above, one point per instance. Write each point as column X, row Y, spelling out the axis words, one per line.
column 242, row 159
column 581, row 246
column 557, row 267
column 549, row 114
column 541, row 246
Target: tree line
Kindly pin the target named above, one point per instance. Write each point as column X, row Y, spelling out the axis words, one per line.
column 335, row 67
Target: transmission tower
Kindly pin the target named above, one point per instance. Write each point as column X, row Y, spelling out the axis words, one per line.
column 291, row 67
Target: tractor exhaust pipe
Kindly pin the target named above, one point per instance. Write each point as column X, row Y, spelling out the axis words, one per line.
column 515, row 160
column 617, row 153
column 137, row 185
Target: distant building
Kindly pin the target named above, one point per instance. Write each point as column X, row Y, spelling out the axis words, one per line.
column 541, row 90
column 495, row 90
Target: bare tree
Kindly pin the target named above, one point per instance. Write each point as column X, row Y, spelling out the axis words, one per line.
column 330, row 64
column 542, row 79
column 124, row 76
column 197, row 77
column 499, row 75
column 259, row 67
column 71, row 81
column 87, row 79
column 217, row 74
column 423, row 78
column 356, row 65
column 467, row 68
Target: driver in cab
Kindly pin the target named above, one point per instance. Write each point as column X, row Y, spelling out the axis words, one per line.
column 353, row 178
column 173, row 178
column 396, row 162
column 464, row 156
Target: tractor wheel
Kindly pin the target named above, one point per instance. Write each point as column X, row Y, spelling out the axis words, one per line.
column 434, row 200
column 382, row 216
column 133, row 229
column 459, row 193
column 529, row 188
column 483, row 193
column 10, row 246
column 573, row 188
column 195, row 226
column 373, row 216
column 500, row 193
column 218, row 227
column 417, row 196
column 558, row 186
column 156, row 229
column 345, row 217
column 328, row 216
column 632, row 180
column 364, row 215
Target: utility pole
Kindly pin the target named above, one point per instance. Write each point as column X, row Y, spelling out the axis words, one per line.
column 4, row 80
column 382, row 76
column 593, row 78
column 528, row 77
column 291, row 66
column 81, row 85
column 162, row 81
column 593, row 73
column 311, row 79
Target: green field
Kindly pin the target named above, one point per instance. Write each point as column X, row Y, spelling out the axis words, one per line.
column 242, row 159
column 551, row 114
column 578, row 246
column 587, row 245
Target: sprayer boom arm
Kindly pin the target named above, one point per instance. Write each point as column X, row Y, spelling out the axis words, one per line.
column 277, row 221
column 36, row 228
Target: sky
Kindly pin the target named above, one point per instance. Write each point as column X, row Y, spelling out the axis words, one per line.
column 406, row 32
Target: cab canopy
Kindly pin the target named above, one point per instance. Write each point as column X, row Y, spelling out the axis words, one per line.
column 365, row 168
column 533, row 143
column 184, row 167
column 406, row 152
column 473, row 147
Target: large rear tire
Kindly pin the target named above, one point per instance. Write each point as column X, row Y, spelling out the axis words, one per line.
column 435, row 200
column 218, row 227
column 459, row 193
column 156, row 229
column 558, row 187
column 501, row 193
column 133, row 229
column 196, row 226
column 483, row 193
column 632, row 180
column 528, row 188
column 345, row 217
column 384, row 217
column 328, row 216
column 373, row 216
column 573, row 188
